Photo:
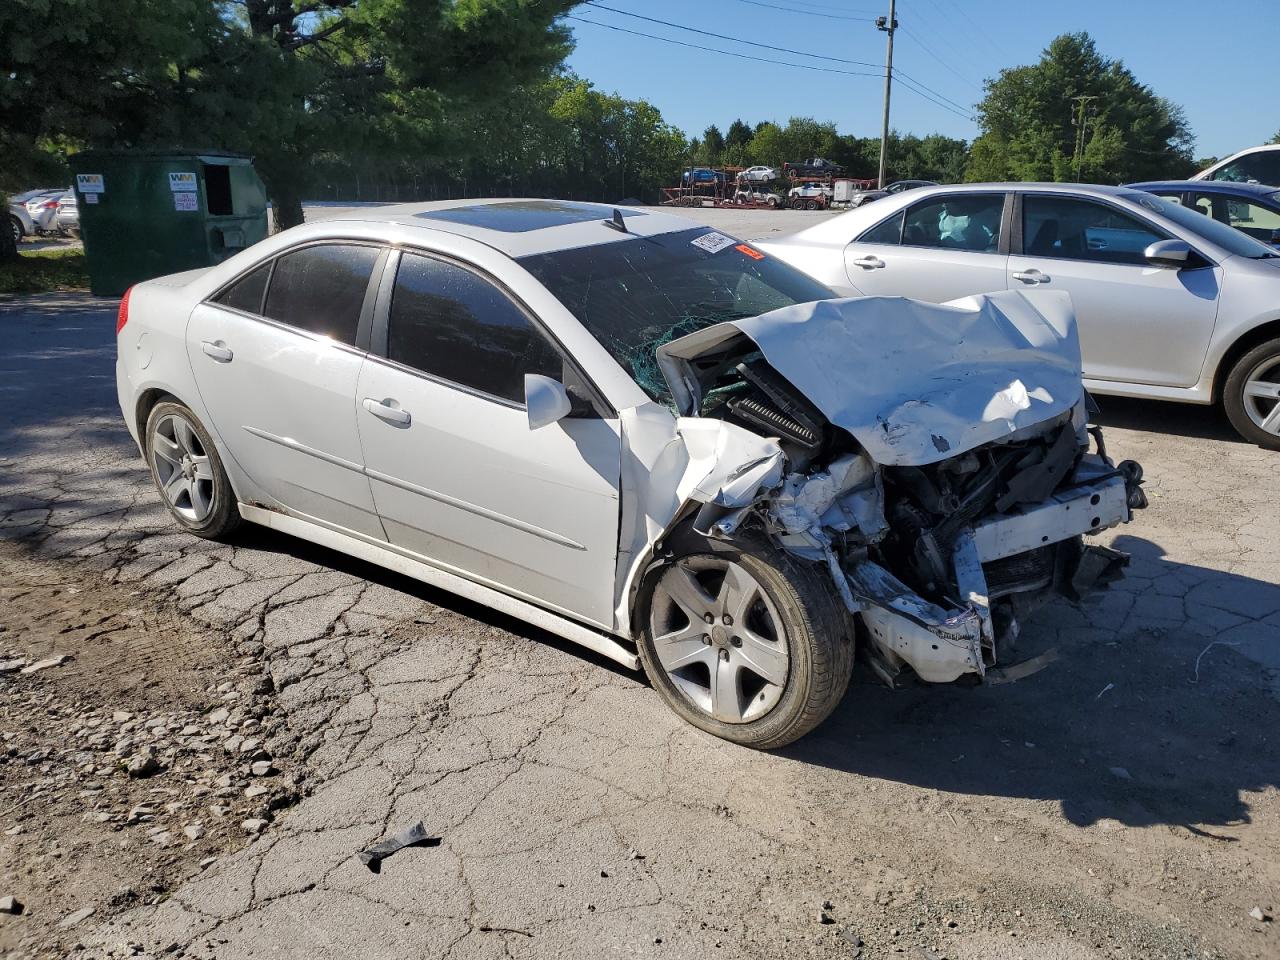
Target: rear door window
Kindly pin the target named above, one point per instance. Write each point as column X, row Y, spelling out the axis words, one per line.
column 1253, row 218
column 458, row 326
column 246, row 293
column 956, row 222
column 321, row 289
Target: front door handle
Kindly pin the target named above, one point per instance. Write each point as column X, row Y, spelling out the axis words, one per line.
column 868, row 263
column 217, row 349
column 1031, row 276
column 388, row 410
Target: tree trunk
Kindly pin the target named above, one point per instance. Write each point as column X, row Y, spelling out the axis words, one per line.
column 287, row 205
column 8, row 248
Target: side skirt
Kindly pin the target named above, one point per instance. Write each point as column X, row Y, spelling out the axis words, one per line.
column 388, row 557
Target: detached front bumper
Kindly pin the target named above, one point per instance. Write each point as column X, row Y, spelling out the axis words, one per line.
column 1010, row 559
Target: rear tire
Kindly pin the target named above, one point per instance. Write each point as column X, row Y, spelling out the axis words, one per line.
column 811, row 204
column 1251, row 395
column 15, row 225
column 790, row 625
column 188, row 472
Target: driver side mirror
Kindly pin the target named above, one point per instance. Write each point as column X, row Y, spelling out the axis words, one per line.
column 546, row 400
column 1173, row 254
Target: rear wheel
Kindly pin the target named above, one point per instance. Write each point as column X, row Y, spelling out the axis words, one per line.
column 15, row 225
column 752, row 647
column 188, row 472
column 1251, row 395
column 811, row 204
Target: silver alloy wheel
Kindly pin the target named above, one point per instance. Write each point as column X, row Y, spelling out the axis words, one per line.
column 719, row 638
column 182, row 468
column 1262, row 395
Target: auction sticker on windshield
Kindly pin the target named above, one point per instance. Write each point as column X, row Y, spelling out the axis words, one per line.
column 185, row 201
column 713, row 242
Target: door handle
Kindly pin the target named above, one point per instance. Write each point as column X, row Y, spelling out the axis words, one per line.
column 384, row 410
column 217, row 349
column 868, row 263
column 1031, row 276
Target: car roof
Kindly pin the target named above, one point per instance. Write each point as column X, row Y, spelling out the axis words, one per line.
column 1210, row 186
column 521, row 227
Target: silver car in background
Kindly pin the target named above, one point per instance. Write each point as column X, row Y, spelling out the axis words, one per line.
column 1171, row 305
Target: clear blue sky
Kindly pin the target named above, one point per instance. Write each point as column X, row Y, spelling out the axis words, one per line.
column 1217, row 65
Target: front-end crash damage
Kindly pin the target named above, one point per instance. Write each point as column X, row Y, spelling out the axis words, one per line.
column 936, row 459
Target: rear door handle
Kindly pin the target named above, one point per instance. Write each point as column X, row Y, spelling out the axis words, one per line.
column 217, row 349
column 388, row 410
column 1031, row 276
column 868, row 263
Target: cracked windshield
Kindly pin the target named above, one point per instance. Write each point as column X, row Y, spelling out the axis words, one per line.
column 636, row 295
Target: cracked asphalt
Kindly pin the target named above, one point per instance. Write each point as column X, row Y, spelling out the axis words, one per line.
column 1120, row 803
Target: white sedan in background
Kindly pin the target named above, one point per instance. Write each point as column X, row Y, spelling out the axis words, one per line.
column 1171, row 304
column 759, row 174
column 635, row 432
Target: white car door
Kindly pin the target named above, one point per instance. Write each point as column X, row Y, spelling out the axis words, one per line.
column 276, row 362
column 943, row 247
column 1138, row 323
column 458, row 477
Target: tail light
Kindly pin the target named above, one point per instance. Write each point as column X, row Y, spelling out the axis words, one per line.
column 49, row 205
column 123, row 316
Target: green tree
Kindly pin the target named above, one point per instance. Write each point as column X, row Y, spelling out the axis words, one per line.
column 1030, row 122
column 712, row 144
column 739, row 134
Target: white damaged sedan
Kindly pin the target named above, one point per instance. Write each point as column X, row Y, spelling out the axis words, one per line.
column 641, row 435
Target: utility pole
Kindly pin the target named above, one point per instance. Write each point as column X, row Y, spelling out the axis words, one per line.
column 888, row 25
column 1079, row 119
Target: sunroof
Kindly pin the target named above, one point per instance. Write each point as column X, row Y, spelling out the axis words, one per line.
column 521, row 216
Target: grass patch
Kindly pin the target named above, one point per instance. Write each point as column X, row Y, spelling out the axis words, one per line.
column 44, row 271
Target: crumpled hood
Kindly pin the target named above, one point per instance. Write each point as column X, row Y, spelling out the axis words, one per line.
column 913, row 382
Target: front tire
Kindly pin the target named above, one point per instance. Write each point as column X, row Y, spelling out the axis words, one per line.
column 1251, row 395
column 752, row 646
column 15, row 225
column 188, row 472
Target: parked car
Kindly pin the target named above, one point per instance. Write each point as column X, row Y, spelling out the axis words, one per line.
column 1202, row 328
column 42, row 207
column 747, row 193
column 1254, row 165
column 20, row 222
column 515, row 400
column 703, row 175
column 759, row 174
column 1251, row 207
column 67, row 219
column 898, row 186
column 813, row 167
column 810, row 196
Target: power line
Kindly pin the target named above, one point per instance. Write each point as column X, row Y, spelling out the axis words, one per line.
column 825, row 16
column 727, row 53
column 721, row 36
column 782, row 63
column 942, row 63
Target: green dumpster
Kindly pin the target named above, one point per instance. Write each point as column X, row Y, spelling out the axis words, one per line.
column 147, row 213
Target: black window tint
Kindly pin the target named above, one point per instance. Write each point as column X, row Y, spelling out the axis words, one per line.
column 957, row 222
column 1084, row 230
column 888, row 232
column 455, row 325
column 321, row 289
column 246, row 293
column 1260, row 167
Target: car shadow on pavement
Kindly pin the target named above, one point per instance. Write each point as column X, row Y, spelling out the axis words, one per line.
column 1139, row 721
column 266, row 540
column 1175, row 419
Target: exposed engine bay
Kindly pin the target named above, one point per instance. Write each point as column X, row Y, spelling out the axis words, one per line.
column 939, row 544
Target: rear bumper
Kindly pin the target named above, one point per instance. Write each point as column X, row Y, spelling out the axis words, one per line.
column 1011, row 561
